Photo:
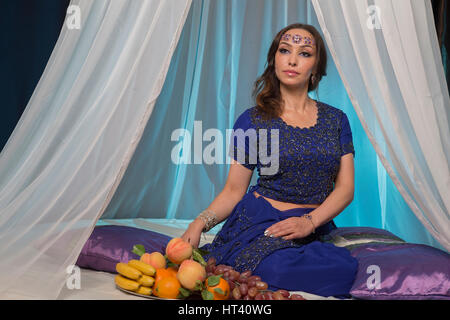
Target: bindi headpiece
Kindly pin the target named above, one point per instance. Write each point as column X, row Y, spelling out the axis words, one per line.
column 297, row 39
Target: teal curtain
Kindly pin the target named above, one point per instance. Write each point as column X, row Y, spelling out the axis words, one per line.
column 221, row 52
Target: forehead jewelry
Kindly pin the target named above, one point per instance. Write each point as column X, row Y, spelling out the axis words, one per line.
column 297, row 39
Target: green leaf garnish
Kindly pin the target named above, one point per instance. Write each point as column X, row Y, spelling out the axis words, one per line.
column 198, row 257
column 206, row 295
column 219, row 291
column 138, row 249
column 184, row 293
column 198, row 285
column 202, row 251
column 214, row 280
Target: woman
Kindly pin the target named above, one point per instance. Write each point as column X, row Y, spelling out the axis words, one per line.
column 275, row 228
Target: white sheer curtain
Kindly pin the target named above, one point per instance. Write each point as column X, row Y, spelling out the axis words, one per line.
column 388, row 57
column 73, row 143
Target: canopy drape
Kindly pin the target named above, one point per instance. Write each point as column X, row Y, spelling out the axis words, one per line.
column 388, row 57
column 70, row 149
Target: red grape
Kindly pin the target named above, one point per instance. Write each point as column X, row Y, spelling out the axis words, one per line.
column 225, row 267
column 277, row 295
column 211, row 261
column 247, row 273
column 268, row 295
column 243, row 288
column 261, row 285
column 260, row 296
column 242, row 278
column 233, row 275
column 219, row 270
column 236, row 293
column 254, row 277
column 295, row 296
column 284, row 293
column 252, row 292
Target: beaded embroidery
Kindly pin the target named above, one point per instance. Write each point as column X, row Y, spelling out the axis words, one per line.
column 309, row 158
column 227, row 242
column 229, row 232
column 309, row 162
column 347, row 148
column 252, row 255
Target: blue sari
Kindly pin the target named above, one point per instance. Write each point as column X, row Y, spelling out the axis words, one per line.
column 306, row 264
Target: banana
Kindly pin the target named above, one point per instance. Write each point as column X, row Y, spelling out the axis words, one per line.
column 146, row 281
column 126, row 284
column 144, row 290
column 128, row 271
column 143, row 267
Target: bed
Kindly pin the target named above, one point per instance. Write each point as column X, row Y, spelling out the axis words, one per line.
column 389, row 267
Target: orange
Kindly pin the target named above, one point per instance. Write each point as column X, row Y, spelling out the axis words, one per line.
column 172, row 271
column 163, row 273
column 167, row 287
column 221, row 294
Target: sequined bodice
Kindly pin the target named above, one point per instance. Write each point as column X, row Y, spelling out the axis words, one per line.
column 308, row 158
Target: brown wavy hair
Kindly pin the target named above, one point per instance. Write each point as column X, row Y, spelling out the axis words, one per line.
column 266, row 90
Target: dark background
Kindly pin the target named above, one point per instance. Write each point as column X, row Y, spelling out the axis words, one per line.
column 29, row 30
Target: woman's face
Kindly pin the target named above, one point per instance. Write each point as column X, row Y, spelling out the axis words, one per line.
column 295, row 58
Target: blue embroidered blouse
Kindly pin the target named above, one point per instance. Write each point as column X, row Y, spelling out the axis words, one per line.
column 296, row 165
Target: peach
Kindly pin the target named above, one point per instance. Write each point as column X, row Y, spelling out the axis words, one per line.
column 155, row 259
column 189, row 273
column 178, row 250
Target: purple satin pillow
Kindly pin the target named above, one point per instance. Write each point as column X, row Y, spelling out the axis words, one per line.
column 109, row 245
column 401, row 272
column 392, row 269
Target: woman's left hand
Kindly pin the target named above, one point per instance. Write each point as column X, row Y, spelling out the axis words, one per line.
column 290, row 228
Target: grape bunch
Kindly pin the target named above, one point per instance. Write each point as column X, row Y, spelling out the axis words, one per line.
column 245, row 286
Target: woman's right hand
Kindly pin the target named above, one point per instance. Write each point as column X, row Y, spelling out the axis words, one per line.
column 193, row 232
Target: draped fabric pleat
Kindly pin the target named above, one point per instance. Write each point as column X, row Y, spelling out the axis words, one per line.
column 389, row 59
column 69, row 151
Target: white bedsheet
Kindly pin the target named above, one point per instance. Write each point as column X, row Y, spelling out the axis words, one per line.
column 97, row 285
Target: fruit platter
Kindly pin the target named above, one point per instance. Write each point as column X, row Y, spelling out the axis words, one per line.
column 182, row 273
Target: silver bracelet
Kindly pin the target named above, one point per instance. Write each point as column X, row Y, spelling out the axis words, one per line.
column 309, row 217
column 210, row 219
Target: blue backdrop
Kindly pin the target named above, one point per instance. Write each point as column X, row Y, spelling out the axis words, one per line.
column 221, row 52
